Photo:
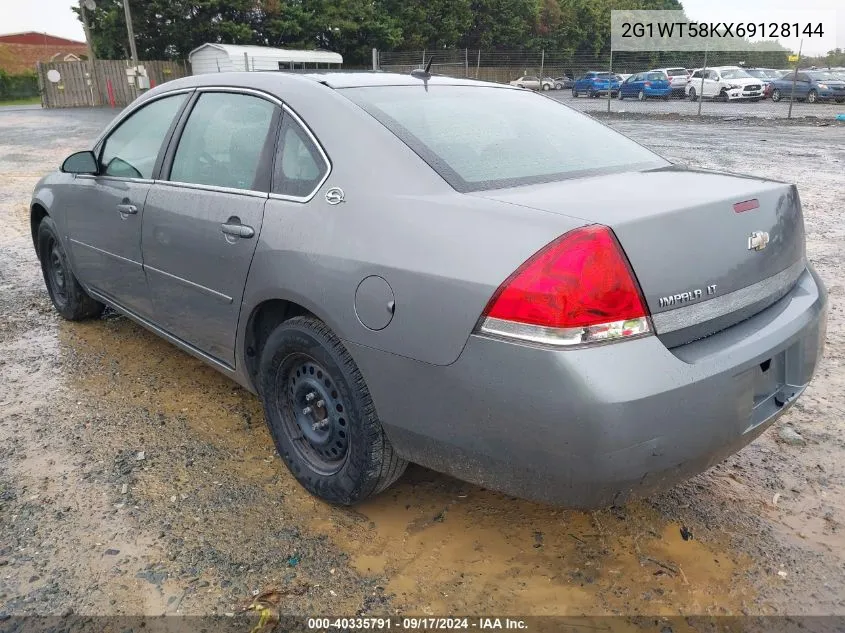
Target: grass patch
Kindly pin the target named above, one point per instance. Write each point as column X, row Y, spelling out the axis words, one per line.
column 25, row 101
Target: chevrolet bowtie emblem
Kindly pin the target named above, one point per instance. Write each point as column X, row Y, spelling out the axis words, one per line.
column 758, row 240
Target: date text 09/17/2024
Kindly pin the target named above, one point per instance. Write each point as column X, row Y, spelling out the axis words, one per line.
column 416, row 623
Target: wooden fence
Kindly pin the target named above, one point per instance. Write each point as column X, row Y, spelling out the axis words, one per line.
column 109, row 87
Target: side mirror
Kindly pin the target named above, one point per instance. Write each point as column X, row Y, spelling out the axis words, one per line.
column 81, row 163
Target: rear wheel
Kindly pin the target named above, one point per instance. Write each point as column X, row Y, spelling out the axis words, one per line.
column 66, row 293
column 641, row 96
column 812, row 96
column 840, row 101
column 592, row 93
column 692, row 95
column 321, row 415
column 723, row 96
column 574, row 92
column 620, row 95
column 776, row 95
column 546, row 87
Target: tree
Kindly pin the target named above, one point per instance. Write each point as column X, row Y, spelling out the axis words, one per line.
column 428, row 24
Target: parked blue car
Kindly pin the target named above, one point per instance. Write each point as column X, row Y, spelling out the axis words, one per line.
column 812, row 85
column 595, row 83
column 645, row 85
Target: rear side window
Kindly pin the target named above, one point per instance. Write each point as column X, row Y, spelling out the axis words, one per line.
column 131, row 150
column 223, row 141
column 300, row 167
column 479, row 137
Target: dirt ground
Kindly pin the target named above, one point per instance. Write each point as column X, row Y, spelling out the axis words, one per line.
column 135, row 480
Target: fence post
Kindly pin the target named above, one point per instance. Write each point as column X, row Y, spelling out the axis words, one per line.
column 610, row 81
column 542, row 65
column 246, row 61
column 795, row 78
column 466, row 62
column 375, row 58
column 703, row 72
column 478, row 64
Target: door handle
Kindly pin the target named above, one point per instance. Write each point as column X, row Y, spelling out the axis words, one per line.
column 127, row 209
column 238, row 230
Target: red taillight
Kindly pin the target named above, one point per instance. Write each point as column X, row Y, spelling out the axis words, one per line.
column 648, row 84
column 578, row 289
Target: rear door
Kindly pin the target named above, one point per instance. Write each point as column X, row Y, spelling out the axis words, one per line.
column 204, row 216
column 105, row 212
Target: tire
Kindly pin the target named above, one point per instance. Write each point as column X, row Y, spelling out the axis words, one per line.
column 776, row 95
column 350, row 458
column 840, row 101
column 558, row 86
column 546, row 87
column 68, row 297
column 574, row 93
column 692, row 95
column 620, row 96
column 641, row 96
column 723, row 96
column 591, row 93
column 812, row 96
column 665, row 97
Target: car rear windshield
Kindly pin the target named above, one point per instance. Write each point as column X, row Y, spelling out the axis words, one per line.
column 479, row 137
column 676, row 72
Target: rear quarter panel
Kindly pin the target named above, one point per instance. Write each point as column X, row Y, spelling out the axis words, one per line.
column 443, row 253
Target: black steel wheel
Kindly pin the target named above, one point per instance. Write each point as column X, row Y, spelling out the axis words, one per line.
column 317, row 426
column 321, row 415
column 68, row 296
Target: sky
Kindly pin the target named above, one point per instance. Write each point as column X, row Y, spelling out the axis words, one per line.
column 56, row 18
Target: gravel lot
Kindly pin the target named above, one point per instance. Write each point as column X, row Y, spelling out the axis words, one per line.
column 135, row 480
column 825, row 110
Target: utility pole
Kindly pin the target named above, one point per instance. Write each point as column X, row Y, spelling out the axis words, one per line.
column 131, row 33
column 92, row 60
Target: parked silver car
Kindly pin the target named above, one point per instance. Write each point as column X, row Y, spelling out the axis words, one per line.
column 533, row 83
column 401, row 277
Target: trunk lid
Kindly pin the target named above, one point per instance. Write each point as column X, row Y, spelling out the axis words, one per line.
column 703, row 265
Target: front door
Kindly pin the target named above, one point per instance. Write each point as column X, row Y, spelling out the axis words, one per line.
column 105, row 212
column 202, row 221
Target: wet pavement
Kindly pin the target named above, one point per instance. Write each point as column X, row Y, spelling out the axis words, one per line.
column 135, row 480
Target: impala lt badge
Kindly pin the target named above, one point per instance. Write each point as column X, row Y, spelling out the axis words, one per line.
column 685, row 297
column 758, row 240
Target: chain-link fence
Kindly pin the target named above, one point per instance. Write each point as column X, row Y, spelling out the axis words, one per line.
column 746, row 84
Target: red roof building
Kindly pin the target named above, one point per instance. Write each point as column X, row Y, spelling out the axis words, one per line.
column 19, row 52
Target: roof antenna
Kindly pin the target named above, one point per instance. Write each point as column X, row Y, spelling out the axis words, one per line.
column 425, row 75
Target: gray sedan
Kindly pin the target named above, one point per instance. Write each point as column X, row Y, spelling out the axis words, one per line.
column 401, row 277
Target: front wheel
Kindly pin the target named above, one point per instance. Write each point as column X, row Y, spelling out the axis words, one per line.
column 641, row 96
column 321, row 415
column 574, row 93
column 67, row 294
column 812, row 96
column 620, row 96
column 776, row 95
column 692, row 95
column 723, row 96
column 546, row 87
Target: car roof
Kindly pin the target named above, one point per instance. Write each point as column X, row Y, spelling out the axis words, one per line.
column 276, row 82
column 368, row 78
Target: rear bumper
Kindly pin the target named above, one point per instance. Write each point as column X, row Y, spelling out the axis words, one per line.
column 593, row 427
